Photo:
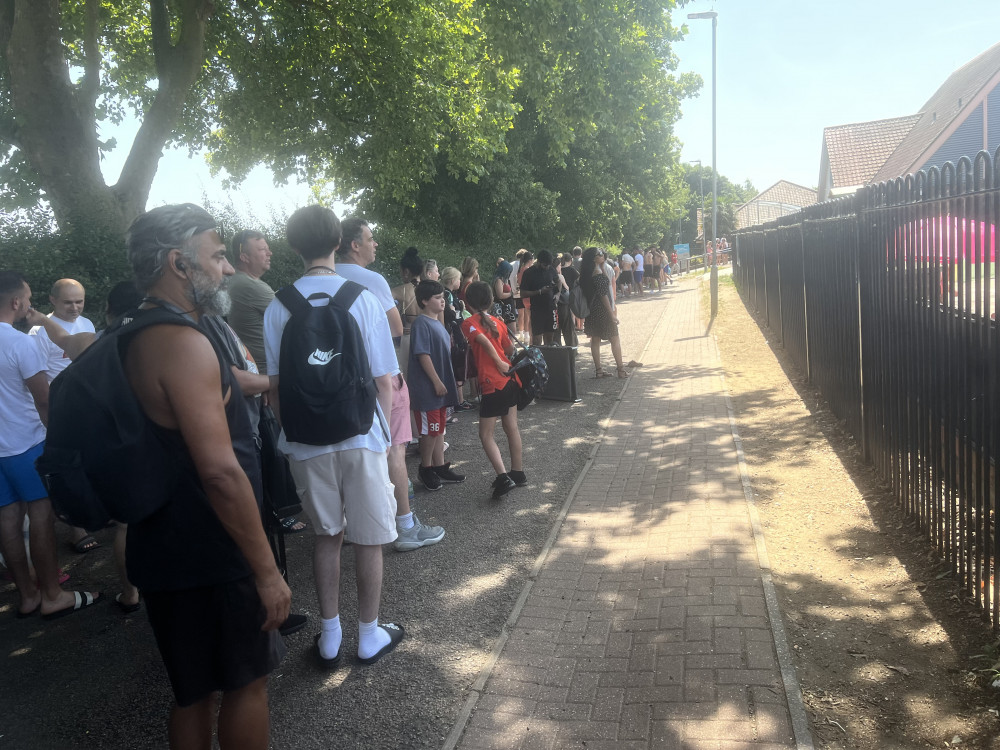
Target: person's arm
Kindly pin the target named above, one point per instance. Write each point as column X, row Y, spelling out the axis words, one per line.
column 484, row 342
column 384, row 396
column 395, row 321
column 72, row 345
column 251, row 383
column 188, row 376
column 38, row 387
column 427, row 365
column 272, row 397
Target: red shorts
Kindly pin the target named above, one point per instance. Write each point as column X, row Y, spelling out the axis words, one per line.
column 431, row 423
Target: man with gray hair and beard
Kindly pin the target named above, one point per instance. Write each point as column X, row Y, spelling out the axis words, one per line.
column 214, row 595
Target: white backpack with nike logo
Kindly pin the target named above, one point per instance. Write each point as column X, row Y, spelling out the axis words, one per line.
column 326, row 386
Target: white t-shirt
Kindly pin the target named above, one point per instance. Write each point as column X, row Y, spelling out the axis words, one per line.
column 374, row 282
column 609, row 271
column 378, row 345
column 20, row 359
column 626, row 262
column 515, row 265
column 56, row 359
column 639, row 262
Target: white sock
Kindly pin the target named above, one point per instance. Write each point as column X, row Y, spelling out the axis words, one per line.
column 405, row 521
column 330, row 638
column 371, row 639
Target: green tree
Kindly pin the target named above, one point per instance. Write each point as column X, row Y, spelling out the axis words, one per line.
column 366, row 92
column 591, row 153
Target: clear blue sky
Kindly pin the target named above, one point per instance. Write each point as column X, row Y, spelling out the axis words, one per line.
column 786, row 70
column 789, row 68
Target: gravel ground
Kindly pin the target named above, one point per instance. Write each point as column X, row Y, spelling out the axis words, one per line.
column 94, row 680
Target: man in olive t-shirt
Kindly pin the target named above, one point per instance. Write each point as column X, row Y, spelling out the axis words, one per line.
column 250, row 295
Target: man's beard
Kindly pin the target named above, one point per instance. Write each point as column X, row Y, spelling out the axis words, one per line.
column 207, row 296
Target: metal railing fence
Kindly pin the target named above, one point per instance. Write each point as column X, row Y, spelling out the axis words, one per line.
column 886, row 300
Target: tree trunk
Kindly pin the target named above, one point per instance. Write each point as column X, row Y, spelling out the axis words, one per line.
column 55, row 119
column 59, row 140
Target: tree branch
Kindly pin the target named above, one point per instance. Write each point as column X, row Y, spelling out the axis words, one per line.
column 159, row 22
column 178, row 65
column 91, row 83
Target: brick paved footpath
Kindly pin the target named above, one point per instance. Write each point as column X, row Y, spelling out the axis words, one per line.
column 645, row 624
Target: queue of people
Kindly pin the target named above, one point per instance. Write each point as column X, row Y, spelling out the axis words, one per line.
column 416, row 349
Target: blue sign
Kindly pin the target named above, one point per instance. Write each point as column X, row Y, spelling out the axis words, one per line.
column 683, row 251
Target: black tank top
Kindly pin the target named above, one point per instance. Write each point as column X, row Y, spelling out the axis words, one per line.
column 184, row 545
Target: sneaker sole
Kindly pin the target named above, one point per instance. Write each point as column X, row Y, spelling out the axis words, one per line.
column 452, row 481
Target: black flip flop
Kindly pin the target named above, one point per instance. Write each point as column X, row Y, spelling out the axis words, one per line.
column 330, row 664
column 126, row 609
column 84, row 599
column 396, row 634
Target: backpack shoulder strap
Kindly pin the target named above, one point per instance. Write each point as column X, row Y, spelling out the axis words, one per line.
column 293, row 300
column 347, row 294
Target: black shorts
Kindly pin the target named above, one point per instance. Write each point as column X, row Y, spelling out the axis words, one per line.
column 518, row 303
column 498, row 403
column 210, row 638
column 543, row 320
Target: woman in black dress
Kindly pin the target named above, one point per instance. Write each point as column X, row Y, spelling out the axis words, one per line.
column 602, row 323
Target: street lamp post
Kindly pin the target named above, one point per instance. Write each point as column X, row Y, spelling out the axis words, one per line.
column 701, row 194
column 714, row 278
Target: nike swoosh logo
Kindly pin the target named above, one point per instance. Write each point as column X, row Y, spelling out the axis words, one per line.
column 321, row 358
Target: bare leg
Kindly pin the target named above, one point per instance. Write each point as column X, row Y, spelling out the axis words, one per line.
column 130, row 594
column 12, row 546
column 244, row 721
column 616, row 349
column 369, row 567
column 326, row 569
column 509, row 423
column 43, row 555
column 427, row 450
column 190, row 727
column 437, row 450
column 486, row 425
column 397, row 475
column 595, row 352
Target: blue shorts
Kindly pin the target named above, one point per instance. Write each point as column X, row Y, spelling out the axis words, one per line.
column 18, row 479
column 638, row 276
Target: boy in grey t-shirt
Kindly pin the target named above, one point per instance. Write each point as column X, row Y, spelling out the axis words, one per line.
column 432, row 384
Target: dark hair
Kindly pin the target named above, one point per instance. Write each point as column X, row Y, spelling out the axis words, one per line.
column 313, row 232
column 544, row 257
column 351, row 231
column 155, row 233
column 427, row 289
column 239, row 240
column 411, row 262
column 565, row 259
column 123, row 298
column 480, row 296
column 587, row 270
column 11, row 282
column 504, row 270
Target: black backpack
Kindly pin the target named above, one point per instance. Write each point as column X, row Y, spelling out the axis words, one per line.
column 532, row 373
column 103, row 460
column 326, row 387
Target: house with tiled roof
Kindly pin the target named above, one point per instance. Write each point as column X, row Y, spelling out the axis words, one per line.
column 853, row 154
column 781, row 198
column 960, row 119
